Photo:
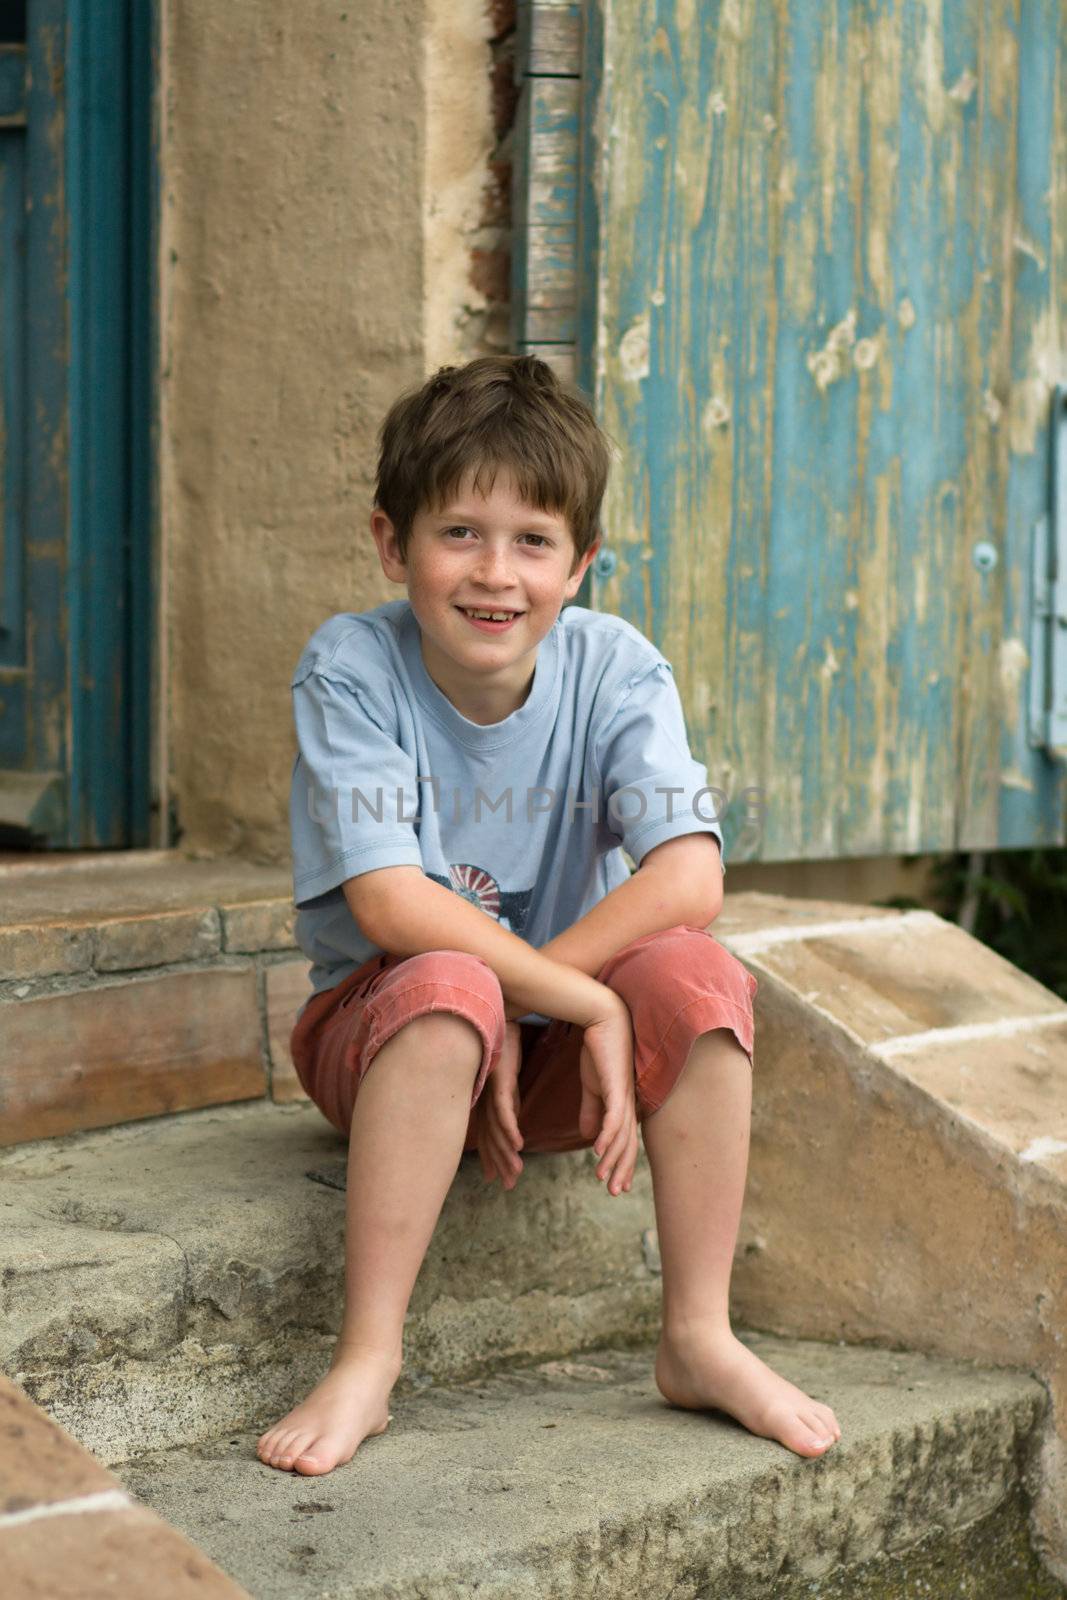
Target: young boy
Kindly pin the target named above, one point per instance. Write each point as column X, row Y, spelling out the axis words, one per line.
column 472, row 761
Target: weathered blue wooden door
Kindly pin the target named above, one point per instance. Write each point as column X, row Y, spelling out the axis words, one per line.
column 74, row 422
column 822, row 298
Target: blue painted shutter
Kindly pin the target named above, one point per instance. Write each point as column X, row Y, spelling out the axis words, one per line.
column 823, row 293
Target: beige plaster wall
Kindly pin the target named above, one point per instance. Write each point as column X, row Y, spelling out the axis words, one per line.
column 325, row 173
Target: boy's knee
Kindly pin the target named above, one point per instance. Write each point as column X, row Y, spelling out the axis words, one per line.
column 454, row 968
column 672, row 960
column 457, row 1002
column 445, row 1034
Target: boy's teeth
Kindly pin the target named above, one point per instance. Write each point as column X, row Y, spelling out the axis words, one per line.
column 491, row 616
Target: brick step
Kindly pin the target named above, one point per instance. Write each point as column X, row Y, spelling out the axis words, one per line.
column 573, row 1478
column 136, row 984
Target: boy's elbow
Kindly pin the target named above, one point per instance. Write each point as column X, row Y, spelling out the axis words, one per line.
column 692, row 864
column 372, row 896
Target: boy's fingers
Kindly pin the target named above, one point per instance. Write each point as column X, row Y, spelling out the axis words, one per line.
column 504, row 1155
column 503, row 1151
column 504, row 1106
column 620, row 1157
column 510, row 1124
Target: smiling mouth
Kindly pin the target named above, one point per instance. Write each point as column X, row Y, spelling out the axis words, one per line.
column 490, row 613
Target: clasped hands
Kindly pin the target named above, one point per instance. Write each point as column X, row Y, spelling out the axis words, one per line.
column 607, row 1115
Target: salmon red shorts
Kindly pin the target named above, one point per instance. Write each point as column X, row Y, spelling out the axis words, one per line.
column 677, row 984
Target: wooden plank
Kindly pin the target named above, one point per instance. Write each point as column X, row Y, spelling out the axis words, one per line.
column 545, row 185
column 550, row 257
column 13, row 437
column 12, row 85
column 545, row 199
column 549, row 39
column 803, row 241
column 1034, row 238
column 552, row 180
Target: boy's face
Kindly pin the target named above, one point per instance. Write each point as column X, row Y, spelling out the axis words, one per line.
column 489, row 553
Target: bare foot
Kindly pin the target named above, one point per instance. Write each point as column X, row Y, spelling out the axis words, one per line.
column 349, row 1404
column 701, row 1368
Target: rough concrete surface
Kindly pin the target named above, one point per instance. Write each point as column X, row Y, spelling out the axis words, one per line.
column 172, row 1278
column 577, row 1478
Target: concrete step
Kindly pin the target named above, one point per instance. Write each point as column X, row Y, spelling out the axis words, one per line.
column 170, row 1279
column 575, row 1478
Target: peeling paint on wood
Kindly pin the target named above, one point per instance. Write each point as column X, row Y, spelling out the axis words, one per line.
column 807, row 318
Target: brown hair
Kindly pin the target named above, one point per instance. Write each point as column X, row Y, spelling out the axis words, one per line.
column 508, row 413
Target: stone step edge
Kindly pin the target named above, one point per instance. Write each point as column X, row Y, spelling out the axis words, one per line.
column 84, row 945
column 944, row 1454
column 63, row 1512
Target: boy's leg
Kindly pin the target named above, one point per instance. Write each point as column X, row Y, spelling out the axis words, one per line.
column 697, row 1148
column 406, row 1138
column 691, row 1004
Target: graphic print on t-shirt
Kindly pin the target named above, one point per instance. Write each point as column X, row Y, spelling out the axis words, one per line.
column 510, row 906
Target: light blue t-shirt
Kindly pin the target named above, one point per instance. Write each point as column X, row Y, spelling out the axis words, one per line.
column 389, row 773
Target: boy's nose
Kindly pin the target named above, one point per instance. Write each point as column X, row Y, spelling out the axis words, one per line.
column 493, row 569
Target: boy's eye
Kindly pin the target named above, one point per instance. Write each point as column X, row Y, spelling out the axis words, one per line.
column 540, row 537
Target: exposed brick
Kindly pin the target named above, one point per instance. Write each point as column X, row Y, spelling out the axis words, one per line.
column 501, row 17
column 496, row 194
column 504, row 92
column 115, row 1052
column 288, row 986
column 490, row 274
column 44, row 949
column 253, row 925
column 156, row 938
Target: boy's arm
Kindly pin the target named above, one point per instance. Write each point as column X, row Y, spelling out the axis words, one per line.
column 679, row 881
column 403, row 911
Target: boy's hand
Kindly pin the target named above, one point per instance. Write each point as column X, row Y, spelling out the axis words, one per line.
column 608, row 1111
column 499, row 1139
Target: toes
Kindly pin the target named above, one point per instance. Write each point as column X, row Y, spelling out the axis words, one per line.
column 317, row 1456
column 818, row 1437
column 826, row 1424
column 285, row 1448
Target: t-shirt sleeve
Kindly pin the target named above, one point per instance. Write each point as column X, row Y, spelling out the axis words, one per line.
column 643, row 749
column 353, row 786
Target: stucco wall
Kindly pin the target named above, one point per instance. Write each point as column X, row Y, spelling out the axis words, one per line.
column 332, row 191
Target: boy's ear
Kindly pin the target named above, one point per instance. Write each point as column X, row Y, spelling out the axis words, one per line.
column 388, row 549
column 575, row 579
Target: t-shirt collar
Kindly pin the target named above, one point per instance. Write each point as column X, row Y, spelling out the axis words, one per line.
column 473, row 735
